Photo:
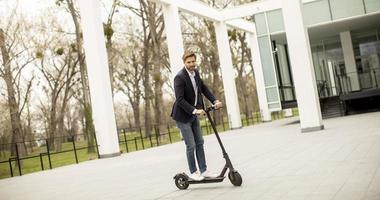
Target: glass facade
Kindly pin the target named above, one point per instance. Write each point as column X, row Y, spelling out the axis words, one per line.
column 367, row 56
column 346, row 8
column 316, row 12
column 269, row 72
column 265, row 24
column 275, row 21
column 267, row 61
column 332, row 75
column 372, row 5
column 329, row 66
column 284, row 78
column 261, row 24
column 319, row 11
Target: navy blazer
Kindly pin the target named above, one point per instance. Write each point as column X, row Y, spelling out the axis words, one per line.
column 183, row 107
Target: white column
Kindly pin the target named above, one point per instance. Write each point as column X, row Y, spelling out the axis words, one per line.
column 259, row 77
column 173, row 38
column 228, row 74
column 349, row 60
column 288, row 112
column 302, row 65
column 99, row 80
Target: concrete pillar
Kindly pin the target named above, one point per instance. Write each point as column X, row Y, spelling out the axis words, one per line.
column 228, row 74
column 259, row 77
column 99, row 80
column 349, row 60
column 173, row 38
column 302, row 65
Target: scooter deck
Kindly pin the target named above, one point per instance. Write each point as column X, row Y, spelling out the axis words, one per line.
column 207, row 180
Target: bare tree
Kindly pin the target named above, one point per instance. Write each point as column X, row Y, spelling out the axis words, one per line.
column 67, row 94
column 108, row 32
column 129, row 79
column 58, row 67
column 89, row 126
column 5, row 129
column 16, row 55
column 155, row 22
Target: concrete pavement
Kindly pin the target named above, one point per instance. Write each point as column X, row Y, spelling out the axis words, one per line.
column 276, row 161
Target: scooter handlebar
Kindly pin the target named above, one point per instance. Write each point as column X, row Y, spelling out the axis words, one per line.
column 211, row 108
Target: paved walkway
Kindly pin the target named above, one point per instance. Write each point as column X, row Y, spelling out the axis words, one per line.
column 275, row 160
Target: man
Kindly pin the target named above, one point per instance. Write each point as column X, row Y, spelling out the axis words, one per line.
column 187, row 108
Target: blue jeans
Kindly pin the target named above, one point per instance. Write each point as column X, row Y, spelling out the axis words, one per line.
column 192, row 135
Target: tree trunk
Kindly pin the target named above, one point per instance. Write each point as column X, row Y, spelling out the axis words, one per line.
column 146, row 78
column 12, row 103
column 108, row 31
column 60, row 133
column 29, row 132
column 158, row 96
column 136, row 115
column 148, row 97
column 61, row 115
column 215, row 65
column 52, row 120
column 158, row 82
column 133, row 93
column 90, row 129
column 110, row 57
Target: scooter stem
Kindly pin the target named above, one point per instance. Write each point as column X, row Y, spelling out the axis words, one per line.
column 225, row 155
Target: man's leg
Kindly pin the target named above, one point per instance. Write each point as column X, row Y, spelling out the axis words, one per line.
column 187, row 135
column 199, row 150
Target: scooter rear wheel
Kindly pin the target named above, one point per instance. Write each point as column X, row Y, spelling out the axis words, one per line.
column 235, row 178
column 181, row 182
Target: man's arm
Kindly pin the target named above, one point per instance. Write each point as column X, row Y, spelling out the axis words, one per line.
column 207, row 93
column 179, row 90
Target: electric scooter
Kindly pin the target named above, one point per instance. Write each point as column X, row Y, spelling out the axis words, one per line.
column 182, row 181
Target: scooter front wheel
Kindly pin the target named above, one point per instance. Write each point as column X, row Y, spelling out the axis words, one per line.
column 235, row 178
column 181, row 181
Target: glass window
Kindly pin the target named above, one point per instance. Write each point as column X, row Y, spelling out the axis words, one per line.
column 274, row 106
column 366, row 46
column 261, row 25
column 316, row 12
column 275, row 21
column 267, row 61
column 327, row 59
column 372, row 5
column 346, row 8
column 272, row 95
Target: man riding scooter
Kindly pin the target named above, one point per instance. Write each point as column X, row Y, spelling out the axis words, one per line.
column 187, row 108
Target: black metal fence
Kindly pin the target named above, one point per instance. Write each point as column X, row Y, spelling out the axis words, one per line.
column 17, row 159
column 130, row 139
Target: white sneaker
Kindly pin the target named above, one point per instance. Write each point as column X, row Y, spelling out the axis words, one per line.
column 208, row 174
column 196, row 176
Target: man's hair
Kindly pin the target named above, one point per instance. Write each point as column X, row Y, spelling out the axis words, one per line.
column 188, row 54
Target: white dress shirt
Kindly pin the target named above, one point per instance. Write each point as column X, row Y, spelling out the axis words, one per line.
column 192, row 78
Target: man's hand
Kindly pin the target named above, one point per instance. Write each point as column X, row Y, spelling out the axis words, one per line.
column 218, row 104
column 200, row 112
